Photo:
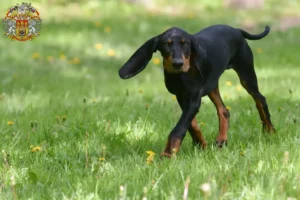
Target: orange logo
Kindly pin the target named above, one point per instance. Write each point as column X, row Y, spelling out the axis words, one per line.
column 22, row 22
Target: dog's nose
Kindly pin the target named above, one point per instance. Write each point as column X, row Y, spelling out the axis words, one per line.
column 177, row 63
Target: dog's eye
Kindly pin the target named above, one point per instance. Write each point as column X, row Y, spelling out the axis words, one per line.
column 185, row 44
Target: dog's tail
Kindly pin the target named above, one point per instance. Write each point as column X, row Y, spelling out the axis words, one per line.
column 255, row 37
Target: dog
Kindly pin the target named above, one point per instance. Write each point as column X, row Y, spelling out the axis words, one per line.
column 193, row 65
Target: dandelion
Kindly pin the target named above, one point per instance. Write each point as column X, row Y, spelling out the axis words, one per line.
column 150, row 152
column 226, row 96
column 62, row 57
column 101, row 159
column 111, row 53
column 10, row 123
column 228, row 108
column 150, row 157
column 122, row 192
column 94, row 100
column 50, row 58
column 239, row 88
column 107, row 29
column 259, row 50
column 205, row 188
column 191, row 16
column 228, row 83
column 76, row 60
column 98, row 46
column 202, row 124
column 156, row 61
column 145, row 191
column 174, row 98
column 103, row 154
column 35, row 149
column 97, row 24
column 35, row 55
column 146, row 106
column 140, row 91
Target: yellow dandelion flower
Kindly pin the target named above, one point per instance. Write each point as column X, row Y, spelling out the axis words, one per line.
column 174, row 98
column 202, row 124
column 107, row 29
column 259, row 50
column 35, row 55
column 228, row 83
column 101, row 159
column 228, row 108
column 111, row 53
column 35, row 149
column 98, row 46
column 239, row 88
column 10, row 123
column 149, row 152
column 50, row 58
column 94, row 100
column 150, row 157
column 156, row 61
column 62, row 57
column 225, row 96
column 140, row 91
column 191, row 16
column 76, row 60
column 97, row 24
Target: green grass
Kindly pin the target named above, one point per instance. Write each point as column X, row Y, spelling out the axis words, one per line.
column 124, row 119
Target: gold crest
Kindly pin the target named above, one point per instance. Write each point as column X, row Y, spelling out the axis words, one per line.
column 22, row 22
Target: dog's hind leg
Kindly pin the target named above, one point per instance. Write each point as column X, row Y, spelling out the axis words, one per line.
column 223, row 115
column 245, row 70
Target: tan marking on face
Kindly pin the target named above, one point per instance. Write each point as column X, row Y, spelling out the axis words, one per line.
column 167, row 63
column 182, row 41
column 168, row 66
column 169, row 41
column 186, row 64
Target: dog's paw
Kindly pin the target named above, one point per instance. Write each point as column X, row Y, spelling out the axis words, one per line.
column 221, row 144
column 166, row 155
column 202, row 145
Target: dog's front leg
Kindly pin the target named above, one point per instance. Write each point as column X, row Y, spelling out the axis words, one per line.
column 191, row 105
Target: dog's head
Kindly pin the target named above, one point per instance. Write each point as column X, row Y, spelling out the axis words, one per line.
column 176, row 46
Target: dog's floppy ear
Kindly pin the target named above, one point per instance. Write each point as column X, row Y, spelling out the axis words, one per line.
column 139, row 60
column 199, row 55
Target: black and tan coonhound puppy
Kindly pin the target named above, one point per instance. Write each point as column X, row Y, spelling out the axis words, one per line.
column 193, row 65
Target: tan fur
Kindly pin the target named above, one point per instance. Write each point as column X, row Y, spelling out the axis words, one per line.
column 167, row 63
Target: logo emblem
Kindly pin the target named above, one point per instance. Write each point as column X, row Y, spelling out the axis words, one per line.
column 22, row 22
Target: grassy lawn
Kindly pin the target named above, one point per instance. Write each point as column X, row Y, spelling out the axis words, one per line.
column 70, row 128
